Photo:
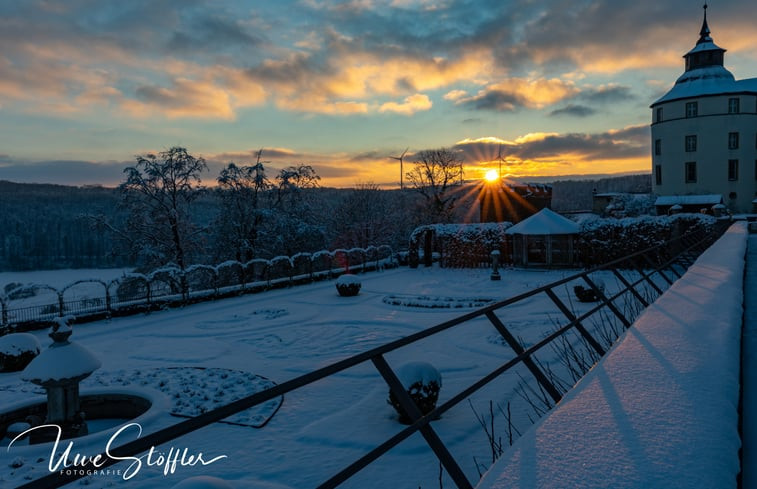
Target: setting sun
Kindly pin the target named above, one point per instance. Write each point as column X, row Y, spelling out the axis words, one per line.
column 492, row 176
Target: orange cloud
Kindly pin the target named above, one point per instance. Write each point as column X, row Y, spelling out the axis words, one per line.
column 409, row 106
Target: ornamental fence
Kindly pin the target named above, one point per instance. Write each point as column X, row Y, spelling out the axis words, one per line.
column 170, row 286
column 594, row 329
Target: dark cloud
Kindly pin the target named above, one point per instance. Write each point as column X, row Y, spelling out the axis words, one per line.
column 573, row 111
column 64, row 172
column 625, row 143
column 495, row 100
column 606, row 95
column 214, row 33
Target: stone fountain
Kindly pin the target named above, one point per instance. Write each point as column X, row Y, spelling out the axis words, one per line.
column 59, row 369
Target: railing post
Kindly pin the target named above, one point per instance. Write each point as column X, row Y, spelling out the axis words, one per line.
column 528, row 361
column 433, row 440
column 572, row 318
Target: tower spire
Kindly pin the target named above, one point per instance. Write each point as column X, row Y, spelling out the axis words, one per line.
column 704, row 33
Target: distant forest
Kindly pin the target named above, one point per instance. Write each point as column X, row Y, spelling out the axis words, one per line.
column 51, row 227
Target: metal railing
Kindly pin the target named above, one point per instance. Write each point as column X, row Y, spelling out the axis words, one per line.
column 665, row 263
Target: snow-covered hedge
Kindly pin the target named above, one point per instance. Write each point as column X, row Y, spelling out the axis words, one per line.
column 602, row 240
column 461, row 245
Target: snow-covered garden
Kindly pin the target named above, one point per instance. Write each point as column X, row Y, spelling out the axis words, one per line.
column 319, row 429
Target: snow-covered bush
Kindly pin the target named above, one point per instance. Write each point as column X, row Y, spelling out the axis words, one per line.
column 280, row 267
column 348, row 285
column 602, row 240
column 340, row 260
column 256, row 270
column 321, row 262
column 17, row 350
column 422, row 381
column 229, row 273
column 130, row 287
column 302, row 265
column 461, row 245
column 201, row 277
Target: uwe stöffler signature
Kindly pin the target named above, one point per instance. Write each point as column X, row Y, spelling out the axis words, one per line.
column 70, row 461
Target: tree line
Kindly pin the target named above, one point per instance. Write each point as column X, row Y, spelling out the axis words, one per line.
column 161, row 214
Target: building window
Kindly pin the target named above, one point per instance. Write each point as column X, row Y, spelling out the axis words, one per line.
column 733, row 170
column 732, row 195
column 692, row 108
column 733, row 140
column 691, row 172
column 659, row 114
column 658, row 147
column 733, row 105
column 658, row 174
column 691, row 144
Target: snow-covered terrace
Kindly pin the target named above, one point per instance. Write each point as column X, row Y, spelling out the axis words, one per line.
column 661, row 408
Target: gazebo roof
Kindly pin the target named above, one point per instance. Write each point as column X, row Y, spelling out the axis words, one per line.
column 545, row 222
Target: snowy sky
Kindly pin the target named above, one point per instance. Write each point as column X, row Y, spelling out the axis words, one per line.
column 563, row 87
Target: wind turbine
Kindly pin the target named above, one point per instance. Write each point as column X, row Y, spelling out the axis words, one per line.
column 402, row 171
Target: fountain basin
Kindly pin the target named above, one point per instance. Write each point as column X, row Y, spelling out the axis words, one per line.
column 103, row 411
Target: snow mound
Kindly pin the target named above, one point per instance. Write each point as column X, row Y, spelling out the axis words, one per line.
column 661, row 408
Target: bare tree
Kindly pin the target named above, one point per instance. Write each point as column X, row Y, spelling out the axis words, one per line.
column 242, row 190
column 433, row 175
column 158, row 192
column 365, row 216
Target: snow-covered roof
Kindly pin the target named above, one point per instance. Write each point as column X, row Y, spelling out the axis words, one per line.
column 705, row 199
column 708, row 80
column 546, row 221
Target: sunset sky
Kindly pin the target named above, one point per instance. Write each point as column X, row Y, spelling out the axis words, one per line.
column 562, row 87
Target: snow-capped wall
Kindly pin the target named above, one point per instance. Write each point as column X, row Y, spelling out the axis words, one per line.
column 660, row 409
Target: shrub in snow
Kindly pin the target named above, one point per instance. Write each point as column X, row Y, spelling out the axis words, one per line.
column 229, row 273
column 256, row 270
column 348, row 285
column 203, row 482
column 17, row 350
column 302, row 265
column 200, row 277
column 281, row 267
column 604, row 240
column 587, row 294
column 422, row 382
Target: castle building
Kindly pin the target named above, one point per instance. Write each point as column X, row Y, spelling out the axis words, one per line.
column 704, row 134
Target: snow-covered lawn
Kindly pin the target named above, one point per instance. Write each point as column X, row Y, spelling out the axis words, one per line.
column 281, row 334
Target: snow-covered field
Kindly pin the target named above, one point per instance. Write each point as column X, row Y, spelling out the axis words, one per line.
column 319, row 429
column 60, row 278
